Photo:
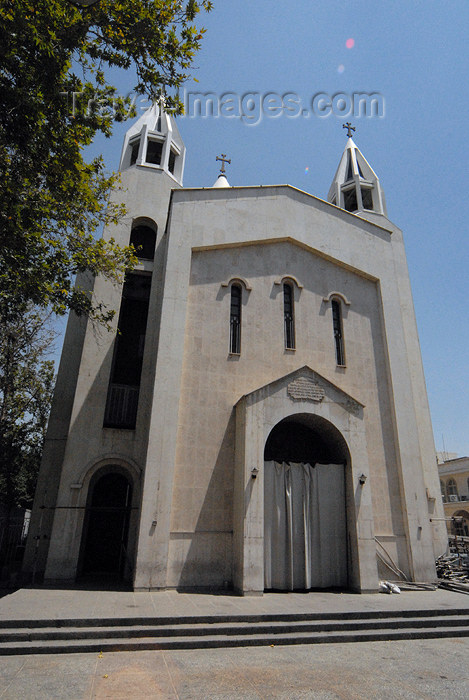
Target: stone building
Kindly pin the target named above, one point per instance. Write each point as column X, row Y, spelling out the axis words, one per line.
column 261, row 420
column 454, row 484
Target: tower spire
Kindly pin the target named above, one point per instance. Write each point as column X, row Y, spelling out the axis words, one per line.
column 154, row 142
column 356, row 186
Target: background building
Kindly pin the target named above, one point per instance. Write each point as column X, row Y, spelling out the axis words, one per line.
column 454, row 484
column 261, row 420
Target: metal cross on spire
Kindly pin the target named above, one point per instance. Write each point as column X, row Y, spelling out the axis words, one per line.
column 161, row 99
column 349, row 128
column 224, row 160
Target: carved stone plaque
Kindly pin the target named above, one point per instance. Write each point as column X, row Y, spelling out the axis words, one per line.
column 303, row 388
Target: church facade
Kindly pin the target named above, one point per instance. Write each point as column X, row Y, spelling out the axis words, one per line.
column 260, row 421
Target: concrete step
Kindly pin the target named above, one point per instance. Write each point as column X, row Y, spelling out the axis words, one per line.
column 68, row 636
column 225, row 628
column 209, row 619
column 222, row 640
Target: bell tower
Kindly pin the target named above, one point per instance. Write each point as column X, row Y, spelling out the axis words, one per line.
column 356, row 187
column 154, row 142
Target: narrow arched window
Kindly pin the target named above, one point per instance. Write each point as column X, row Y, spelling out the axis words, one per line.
column 143, row 239
column 452, row 489
column 338, row 332
column 288, row 317
column 126, row 372
column 235, row 319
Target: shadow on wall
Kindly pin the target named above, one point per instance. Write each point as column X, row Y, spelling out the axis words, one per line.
column 73, row 515
column 392, row 477
column 208, row 552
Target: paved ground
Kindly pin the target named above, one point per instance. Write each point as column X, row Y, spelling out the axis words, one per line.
column 43, row 603
column 431, row 669
column 421, row 669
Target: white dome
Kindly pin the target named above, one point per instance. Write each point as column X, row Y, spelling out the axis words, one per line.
column 221, row 182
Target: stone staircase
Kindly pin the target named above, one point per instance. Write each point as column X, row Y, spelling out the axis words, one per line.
column 198, row 632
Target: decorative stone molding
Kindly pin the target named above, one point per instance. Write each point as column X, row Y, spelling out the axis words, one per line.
column 108, row 459
column 243, row 281
column 145, row 221
column 288, row 278
column 338, row 295
column 304, row 389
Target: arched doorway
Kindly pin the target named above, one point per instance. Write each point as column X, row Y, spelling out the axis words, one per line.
column 106, row 526
column 305, row 527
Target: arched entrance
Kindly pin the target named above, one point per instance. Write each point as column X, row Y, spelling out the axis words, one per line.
column 106, row 525
column 305, row 528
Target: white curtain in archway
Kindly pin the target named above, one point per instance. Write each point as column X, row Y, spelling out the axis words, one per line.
column 304, row 526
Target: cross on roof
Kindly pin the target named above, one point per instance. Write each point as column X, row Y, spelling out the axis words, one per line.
column 224, row 160
column 349, row 128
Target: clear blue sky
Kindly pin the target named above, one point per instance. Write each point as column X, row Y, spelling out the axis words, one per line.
column 415, row 55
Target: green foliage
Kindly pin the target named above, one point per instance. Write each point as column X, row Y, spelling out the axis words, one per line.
column 52, row 202
column 26, row 382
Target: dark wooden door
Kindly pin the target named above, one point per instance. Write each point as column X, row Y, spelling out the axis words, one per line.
column 107, row 525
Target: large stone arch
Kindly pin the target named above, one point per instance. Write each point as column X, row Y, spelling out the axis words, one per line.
column 306, row 505
column 70, row 520
column 107, row 543
column 327, row 443
column 300, row 396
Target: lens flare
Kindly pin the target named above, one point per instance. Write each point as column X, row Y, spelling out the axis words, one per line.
column 350, row 43
column 341, row 68
column 306, row 170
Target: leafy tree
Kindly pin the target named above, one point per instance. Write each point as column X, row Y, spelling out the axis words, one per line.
column 56, row 94
column 26, row 380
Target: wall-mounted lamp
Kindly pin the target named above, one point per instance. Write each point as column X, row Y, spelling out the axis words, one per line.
column 254, row 472
column 361, row 479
